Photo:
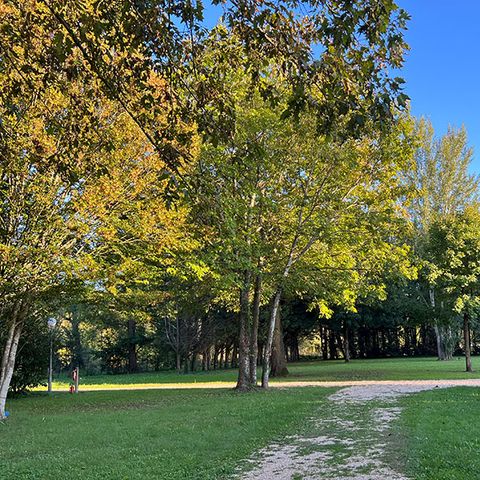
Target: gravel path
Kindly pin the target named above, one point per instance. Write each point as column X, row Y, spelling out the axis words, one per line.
column 350, row 436
column 416, row 385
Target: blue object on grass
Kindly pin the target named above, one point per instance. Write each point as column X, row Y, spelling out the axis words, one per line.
column 7, row 414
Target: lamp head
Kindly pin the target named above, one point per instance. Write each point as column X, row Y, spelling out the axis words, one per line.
column 51, row 322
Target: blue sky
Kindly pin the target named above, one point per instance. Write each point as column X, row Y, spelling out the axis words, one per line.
column 442, row 69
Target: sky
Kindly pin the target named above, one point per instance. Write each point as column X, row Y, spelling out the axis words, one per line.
column 442, row 68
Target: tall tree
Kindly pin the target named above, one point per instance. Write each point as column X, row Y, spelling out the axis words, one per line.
column 333, row 201
column 95, row 87
column 442, row 185
column 454, row 253
column 56, row 144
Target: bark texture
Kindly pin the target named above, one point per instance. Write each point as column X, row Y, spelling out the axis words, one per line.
column 132, row 346
column 10, row 351
column 254, row 332
column 269, row 343
column 346, row 342
column 243, row 381
column 443, row 335
column 466, row 339
column 279, row 358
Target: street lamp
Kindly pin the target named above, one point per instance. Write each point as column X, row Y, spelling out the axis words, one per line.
column 51, row 323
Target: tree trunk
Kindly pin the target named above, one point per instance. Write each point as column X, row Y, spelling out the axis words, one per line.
column 346, row 342
column 178, row 361
column 10, row 352
column 279, row 361
column 178, row 354
column 449, row 343
column 275, row 305
column 254, row 333
column 228, row 362
column 207, row 361
column 243, row 381
column 193, row 362
column 362, row 349
column 294, row 354
column 77, row 357
column 132, row 346
column 442, row 354
column 235, row 356
column 268, row 345
column 466, row 339
column 332, row 345
column 324, row 339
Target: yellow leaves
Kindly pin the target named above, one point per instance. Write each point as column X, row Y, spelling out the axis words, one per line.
column 459, row 303
column 5, row 251
column 5, row 10
column 112, row 289
column 349, row 299
column 200, row 270
column 324, row 310
column 158, row 84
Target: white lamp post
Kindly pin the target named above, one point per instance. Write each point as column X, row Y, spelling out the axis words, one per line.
column 52, row 323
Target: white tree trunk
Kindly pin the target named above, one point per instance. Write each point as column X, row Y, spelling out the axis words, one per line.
column 438, row 334
column 268, row 345
column 443, row 334
column 10, row 351
column 439, row 338
column 8, row 363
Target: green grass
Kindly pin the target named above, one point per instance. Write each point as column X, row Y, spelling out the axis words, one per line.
column 439, row 434
column 382, row 369
column 206, row 434
column 168, row 434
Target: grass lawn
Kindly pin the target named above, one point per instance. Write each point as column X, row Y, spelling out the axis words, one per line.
column 205, row 434
column 168, row 434
column 439, row 432
column 382, row 369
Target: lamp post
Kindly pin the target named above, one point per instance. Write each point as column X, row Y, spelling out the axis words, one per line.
column 52, row 323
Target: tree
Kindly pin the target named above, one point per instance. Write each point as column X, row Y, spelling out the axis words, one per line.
column 454, row 255
column 154, row 69
column 283, row 199
column 334, row 212
column 67, row 160
column 345, row 88
column 442, row 185
column 32, row 355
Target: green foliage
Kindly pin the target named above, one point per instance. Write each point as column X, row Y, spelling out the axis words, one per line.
column 441, row 182
column 152, row 74
column 32, row 358
column 454, row 254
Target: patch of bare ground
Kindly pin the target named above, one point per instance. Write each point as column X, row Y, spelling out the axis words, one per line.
column 347, row 441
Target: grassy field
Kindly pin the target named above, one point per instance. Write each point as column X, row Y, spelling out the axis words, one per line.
column 205, row 434
column 439, row 434
column 188, row 434
column 381, row 369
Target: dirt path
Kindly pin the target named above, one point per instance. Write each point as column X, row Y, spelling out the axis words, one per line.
column 348, row 440
column 417, row 385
